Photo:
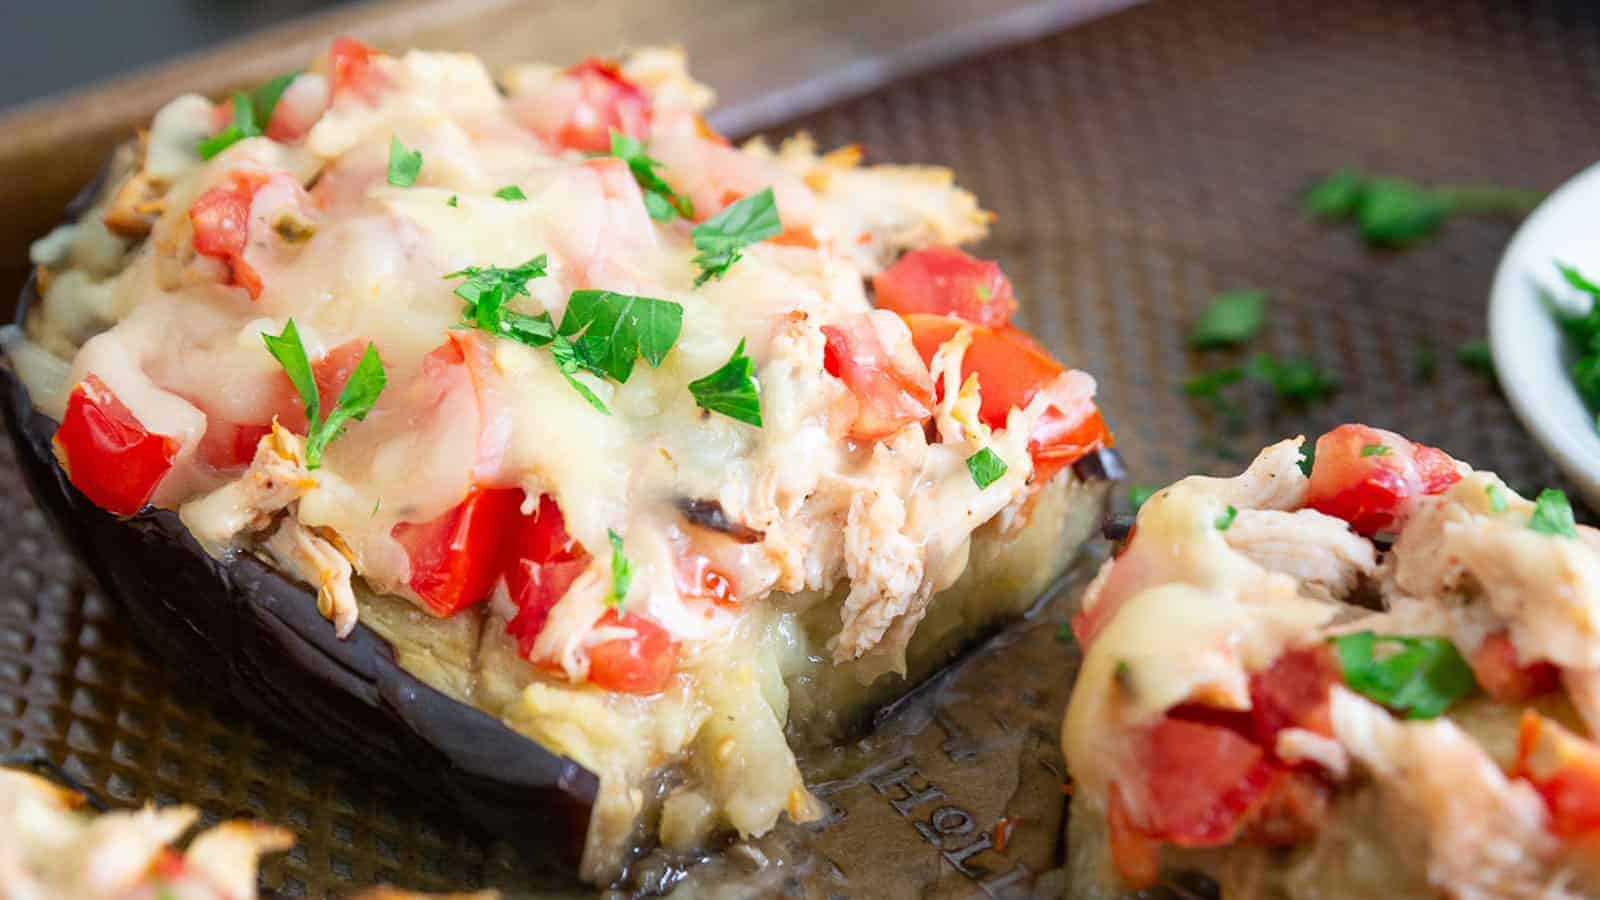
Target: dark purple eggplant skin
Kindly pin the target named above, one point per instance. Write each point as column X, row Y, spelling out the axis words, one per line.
column 240, row 626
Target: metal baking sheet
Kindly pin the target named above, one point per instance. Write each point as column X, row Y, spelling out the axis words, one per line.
column 1139, row 164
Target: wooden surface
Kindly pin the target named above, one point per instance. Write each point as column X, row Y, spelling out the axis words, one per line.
column 768, row 61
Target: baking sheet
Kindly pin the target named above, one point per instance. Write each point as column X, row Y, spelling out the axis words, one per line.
column 1140, row 164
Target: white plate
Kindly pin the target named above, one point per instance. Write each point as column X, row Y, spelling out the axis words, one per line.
column 1530, row 353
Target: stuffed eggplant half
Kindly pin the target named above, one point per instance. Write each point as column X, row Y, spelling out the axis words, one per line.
column 660, row 452
column 1381, row 680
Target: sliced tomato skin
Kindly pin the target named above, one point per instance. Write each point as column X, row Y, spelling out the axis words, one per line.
column 1565, row 770
column 1369, row 491
column 607, row 101
column 542, row 564
column 1011, row 368
column 642, row 664
column 1506, row 678
column 945, row 281
column 221, row 221
column 457, row 557
column 108, row 454
column 888, row 397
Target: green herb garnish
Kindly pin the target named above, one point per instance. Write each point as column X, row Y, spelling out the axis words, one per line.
column 660, row 200
column 1293, row 379
column 360, row 391
column 1138, row 495
column 1232, row 318
column 1475, row 355
column 567, row 361
column 1421, row 678
column 511, row 192
column 452, row 202
column 1497, row 498
column 733, row 390
column 621, row 573
column 986, row 467
column 1376, row 450
column 1424, row 365
column 610, row 331
column 1308, row 459
column 721, row 237
column 1225, row 521
column 1394, row 212
column 1583, row 335
column 404, row 165
column 251, row 113
column 1552, row 514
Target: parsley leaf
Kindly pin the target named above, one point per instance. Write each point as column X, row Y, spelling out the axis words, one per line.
column 1308, row 458
column 732, row 389
column 356, row 399
column 721, row 237
column 1475, row 355
column 1422, row 679
column 621, row 573
column 511, row 192
column 1583, row 334
column 1232, row 319
column 1294, row 379
column 1210, row 384
column 1552, row 514
column 243, row 126
column 404, row 165
column 1497, row 498
column 566, row 357
column 488, row 289
column 1335, row 197
column 452, row 202
column 610, row 330
column 986, row 467
column 660, row 200
column 1393, row 212
column 1138, row 494
column 267, row 96
column 1376, row 450
column 1225, row 521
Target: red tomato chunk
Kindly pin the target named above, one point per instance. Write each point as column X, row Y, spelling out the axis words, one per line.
column 945, row 281
column 1365, row 476
column 108, row 454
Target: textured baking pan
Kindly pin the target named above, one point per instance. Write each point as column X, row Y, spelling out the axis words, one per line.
column 1140, row 164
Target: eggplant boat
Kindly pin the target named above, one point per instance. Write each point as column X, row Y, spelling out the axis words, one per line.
column 1381, row 679
column 54, row 847
column 536, row 445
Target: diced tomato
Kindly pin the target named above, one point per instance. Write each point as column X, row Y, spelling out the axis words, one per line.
column 944, row 281
column 1352, row 479
column 641, row 664
column 221, row 220
column 889, row 394
column 350, row 70
column 299, row 108
column 457, row 557
column 1293, row 693
column 1012, row 368
column 108, row 454
column 1565, row 769
column 226, row 446
column 1201, row 782
column 607, row 101
column 1135, row 856
column 542, row 564
column 1506, row 678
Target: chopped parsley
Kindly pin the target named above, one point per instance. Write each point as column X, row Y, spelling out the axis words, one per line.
column 1394, row 212
column 1421, row 678
column 1138, row 495
column 567, row 361
column 1552, row 514
column 1232, row 319
column 1294, row 379
column 610, row 331
column 511, row 192
column 660, row 200
column 404, row 165
column 1497, row 498
column 733, row 390
column 721, row 238
column 251, row 113
column 1064, row 634
column 360, row 391
column 452, row 201
column 1376, row 450
column 1225, row 521
column 1308, row 459
column 1583, row 335
column 986, row 467
column 1475, row 355
column 621, row 573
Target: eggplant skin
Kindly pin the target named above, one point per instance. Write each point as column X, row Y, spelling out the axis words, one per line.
column 239, row 625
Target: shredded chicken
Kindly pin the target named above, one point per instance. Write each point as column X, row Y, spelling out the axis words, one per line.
column 276, row 478
column 1272, row 481
column 1320, row 551
column 317, row 560
column 1487, row 832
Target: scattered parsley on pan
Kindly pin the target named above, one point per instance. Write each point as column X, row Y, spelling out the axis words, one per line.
column 1395, row 212
column 1232, row 319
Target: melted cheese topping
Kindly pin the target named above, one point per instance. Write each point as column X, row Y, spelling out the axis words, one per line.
column 352, row 258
